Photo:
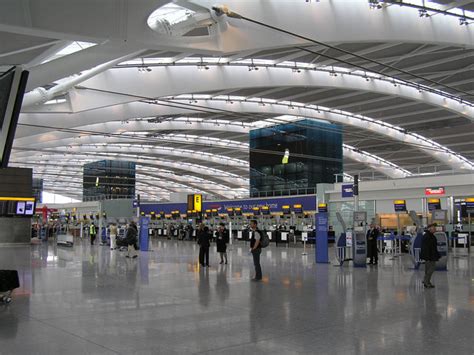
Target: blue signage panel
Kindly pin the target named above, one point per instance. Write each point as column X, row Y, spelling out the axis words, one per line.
column 322, row 254
column 143, row 238
column 347, row 190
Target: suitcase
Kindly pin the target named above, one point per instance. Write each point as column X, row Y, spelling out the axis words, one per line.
column 9, row 280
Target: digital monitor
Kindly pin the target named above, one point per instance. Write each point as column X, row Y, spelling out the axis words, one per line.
column 20, row 208
column 434, row 204
column 439, row 215
column 400, row 205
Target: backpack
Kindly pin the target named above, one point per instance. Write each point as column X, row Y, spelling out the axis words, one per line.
column 264, row 240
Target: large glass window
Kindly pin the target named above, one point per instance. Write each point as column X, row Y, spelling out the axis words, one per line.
column 315, row 155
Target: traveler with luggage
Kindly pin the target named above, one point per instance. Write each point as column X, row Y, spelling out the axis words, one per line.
column 8, row 282
column 131, row 239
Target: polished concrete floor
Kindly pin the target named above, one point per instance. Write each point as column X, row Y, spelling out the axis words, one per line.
column 85, row 300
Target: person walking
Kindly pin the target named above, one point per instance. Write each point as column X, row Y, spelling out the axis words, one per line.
column 204, row 241
column 131, row 239
column 92, row 232
column 113, row 236
column 221, row 242
column 372, row 252
column 255, row 249
column 429, row 253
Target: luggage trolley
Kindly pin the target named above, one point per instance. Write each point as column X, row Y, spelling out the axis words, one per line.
column 8, row 282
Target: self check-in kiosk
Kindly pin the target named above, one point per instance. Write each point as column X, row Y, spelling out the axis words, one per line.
column 359, row 241
column 440, row 217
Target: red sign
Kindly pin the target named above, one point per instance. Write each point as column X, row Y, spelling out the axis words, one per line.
column 430, row 191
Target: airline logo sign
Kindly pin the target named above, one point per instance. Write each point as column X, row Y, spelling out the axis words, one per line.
column 348, row 190
column 430, row 191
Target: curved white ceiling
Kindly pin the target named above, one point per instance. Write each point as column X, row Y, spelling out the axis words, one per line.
column 106, row 115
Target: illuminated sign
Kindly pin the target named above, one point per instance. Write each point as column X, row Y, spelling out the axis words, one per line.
column 434, row 204
column 430, row 191
column 470, row 205
column 322, row 207
column 265, row 210
column 298, row 208
column 197, row 203
column 400, row 205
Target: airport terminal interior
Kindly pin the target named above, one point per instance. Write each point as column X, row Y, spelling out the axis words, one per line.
column 236, row 177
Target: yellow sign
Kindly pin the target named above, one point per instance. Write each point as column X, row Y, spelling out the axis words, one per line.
column 433, row 200
column 265, row 208
column 399, row 202
column 296, row 206
column 237, row 208
column 470, row 199
column 322, row 205
column 197, row 203
column 285, row 207
column 255, row 208
column 17, row 198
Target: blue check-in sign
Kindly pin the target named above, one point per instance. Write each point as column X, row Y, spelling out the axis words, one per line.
column 348, row 190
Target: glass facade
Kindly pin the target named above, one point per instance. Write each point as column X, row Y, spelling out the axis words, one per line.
column 108, row 179
column 38, row 189
column 289, row 158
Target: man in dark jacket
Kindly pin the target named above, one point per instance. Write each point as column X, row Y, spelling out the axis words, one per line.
column 221, row 242
column 429, row 253
column 204, row 241
column 255, row 249
column 372, row 252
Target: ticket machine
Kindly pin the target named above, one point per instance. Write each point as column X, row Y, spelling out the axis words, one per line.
column 359, row 239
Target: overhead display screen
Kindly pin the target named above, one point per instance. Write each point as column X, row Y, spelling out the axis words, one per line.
column 17, row 206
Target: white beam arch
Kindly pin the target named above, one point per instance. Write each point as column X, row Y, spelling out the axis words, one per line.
column 259, row 105
column 218, row 176
column 188, row 79
column 375, row 162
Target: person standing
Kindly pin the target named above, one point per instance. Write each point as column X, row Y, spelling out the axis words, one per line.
column 92, row 232
column 372, row 252
column 221, row 241
column 256, row 249
column 429, row 253
column 131, row 239
column 204, row 241
column 113, row 236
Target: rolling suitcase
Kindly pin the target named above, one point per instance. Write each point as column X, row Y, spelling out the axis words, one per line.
column 8, row 282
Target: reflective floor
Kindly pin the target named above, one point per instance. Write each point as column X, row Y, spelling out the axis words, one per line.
column 85, row 300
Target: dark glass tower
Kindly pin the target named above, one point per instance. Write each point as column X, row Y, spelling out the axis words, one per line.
column 108, row 179
column 315, row 155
